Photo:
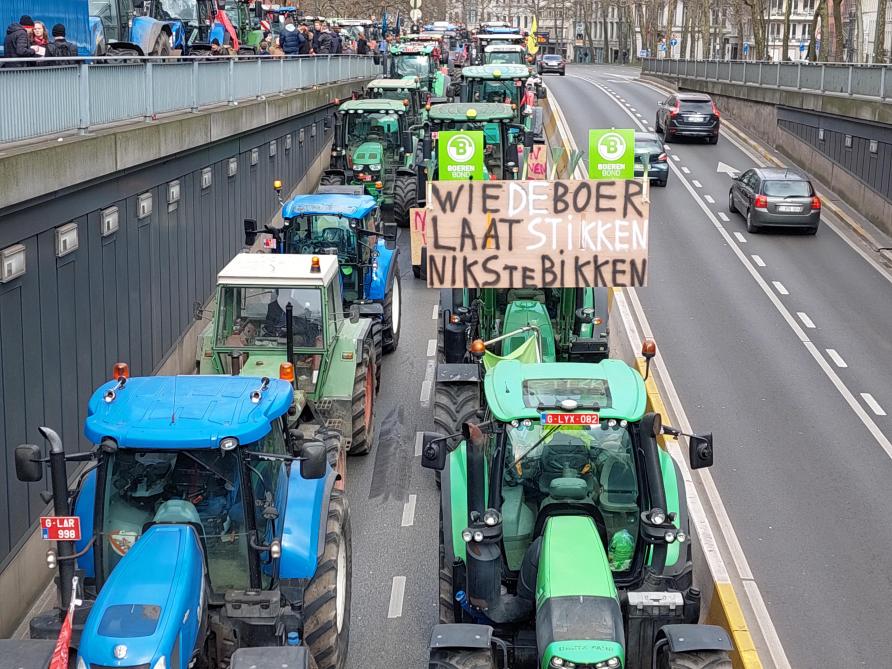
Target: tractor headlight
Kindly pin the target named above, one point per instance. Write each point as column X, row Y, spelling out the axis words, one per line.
column 467, row 535
column 612, row 663
column 375, row 168
column 557, row 662
column 669, row 536
column 478, row 536
column 491, row 518
column 657, row 516
column 681, row 537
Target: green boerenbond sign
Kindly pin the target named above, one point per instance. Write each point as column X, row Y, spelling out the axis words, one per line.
column 611, row 154
column 460, row 155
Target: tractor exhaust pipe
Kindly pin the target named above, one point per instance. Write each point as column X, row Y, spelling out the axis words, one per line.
column 59, row 476
column 289, row 333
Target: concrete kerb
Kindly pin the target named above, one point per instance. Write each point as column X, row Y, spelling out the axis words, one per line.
column 721, row 605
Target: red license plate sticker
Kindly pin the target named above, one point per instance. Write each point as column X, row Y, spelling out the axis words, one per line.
column 570, row 418
column 60, row 528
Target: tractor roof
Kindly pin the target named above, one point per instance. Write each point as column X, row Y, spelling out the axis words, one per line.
column 373, row 105
column 337, row 204
column 406, row 83
column 504, row 48
column 496, row 71
column 277, row 270
column 513, row 385
column 413, row 48
column 482, row 111
column 185, row 412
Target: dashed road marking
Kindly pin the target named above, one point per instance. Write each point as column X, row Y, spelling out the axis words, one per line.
column 758, row 260
column 779, row 287
column 696, row 183
column 427, row 384
column 740, row 237
column 637, row 114
column 431, row 347
column 836, row 358
column 397, row 592
column 419, row 440
column 436, row 312
column 649, row 129
column 633, row 109
column 685, row 170
column 873, row 404
column 724, row 216
column 709, row 199
column 806, row 321
column 675, row 158
column 409, row 512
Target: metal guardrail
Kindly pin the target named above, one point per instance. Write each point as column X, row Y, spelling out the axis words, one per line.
column 873, row 82
column 83, row 96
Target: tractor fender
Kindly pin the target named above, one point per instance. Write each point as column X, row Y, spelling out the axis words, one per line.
column 218, row 32
column 337, row 173
column 461, row 635
column 380, row 278
column 370, row 310
column 346, row 355
column 406, row 172
column 84, row 504
column 686, row 638
column 144, row 32
column 303, row 524
column 126, row 46
column 678, row 556
column 454, row 505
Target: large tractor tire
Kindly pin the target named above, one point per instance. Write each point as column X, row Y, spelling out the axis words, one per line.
column 461, row 658
column 364, row 401
column 405, row 196
column 162, row 45
column 393, row 316
column 332, row 440
column 454, row 404
column 331, row 180
column 378, row 341
column 327, row 598
column 696, row 659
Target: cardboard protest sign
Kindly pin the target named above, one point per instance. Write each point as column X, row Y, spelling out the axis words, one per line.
column 460, row 155
column 417, row 225
column 536, row 234
column 537, row 162
column 611, row 154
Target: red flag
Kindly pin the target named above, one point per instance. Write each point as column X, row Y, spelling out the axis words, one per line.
column 59, row 660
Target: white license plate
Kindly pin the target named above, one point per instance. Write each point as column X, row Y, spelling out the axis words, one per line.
column 788, row 209
column 639, row 166
column 696, row 118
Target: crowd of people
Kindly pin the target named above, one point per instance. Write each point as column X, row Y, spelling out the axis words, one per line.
column 31, row 39
column 304, row 38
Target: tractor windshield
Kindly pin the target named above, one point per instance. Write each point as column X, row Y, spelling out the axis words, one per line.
column 505, row 58
column 377, row 127
column 590, row 464
column 485, row 90
column 201, row 487
column 186, row 10
column 411, row 65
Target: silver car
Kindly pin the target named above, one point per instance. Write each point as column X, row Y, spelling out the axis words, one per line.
column 775, row 197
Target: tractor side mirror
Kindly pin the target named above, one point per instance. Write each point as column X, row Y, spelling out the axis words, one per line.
column 390, row 231
column 250, row 231
column 433, row 450
column 28, row 465
column 700, row 452
column 354, row 313
column 312, row 460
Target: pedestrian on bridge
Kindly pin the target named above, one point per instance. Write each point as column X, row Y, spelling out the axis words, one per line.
column 60, row 47
column 17, row 43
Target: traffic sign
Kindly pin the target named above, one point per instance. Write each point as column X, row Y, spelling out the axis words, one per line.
column 60, row 528
column 460, row 155
column 611, row 154
column 415, row 4
column 662, row 46
column 746, row 47
column 643, row 53
column 801, row 47
column 415, row 14
column 673, row 42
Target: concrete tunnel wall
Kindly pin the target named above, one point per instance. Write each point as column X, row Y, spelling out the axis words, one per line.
column 127, row 296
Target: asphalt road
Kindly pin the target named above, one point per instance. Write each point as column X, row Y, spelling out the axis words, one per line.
column 780, row 344
column 394, row 502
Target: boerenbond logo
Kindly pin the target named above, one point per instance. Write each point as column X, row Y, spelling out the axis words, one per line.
column 460, row 148
column 611, row 146
column 460, row 155
column 611, row 153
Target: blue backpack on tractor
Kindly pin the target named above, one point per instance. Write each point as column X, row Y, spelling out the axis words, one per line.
column 211, row 534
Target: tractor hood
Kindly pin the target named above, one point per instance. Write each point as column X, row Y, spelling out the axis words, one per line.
column 368, row 153
column 153, row 598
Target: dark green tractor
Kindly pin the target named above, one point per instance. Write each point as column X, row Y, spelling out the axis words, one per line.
column 406, row 90
column 564, row 534
column 422, row 60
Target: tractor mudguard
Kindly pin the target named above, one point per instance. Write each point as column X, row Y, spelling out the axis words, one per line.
column 83, row 508
column 271, row 657
column 454, row 503
column 457, row 372
column 370, row 310
column 144, row 32
column 685, row 638
column 406, row 172
column 380, row 279
column 127, row 46
column 340, row 175
column 461, row 635
column 303, row 524
column 152, row 600
column 677, row 560
column 346, row 355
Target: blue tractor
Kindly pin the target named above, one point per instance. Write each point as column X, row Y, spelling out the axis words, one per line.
column 210, row 534
column 342, row 221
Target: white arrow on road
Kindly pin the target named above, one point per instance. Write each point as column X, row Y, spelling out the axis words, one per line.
column 727, row 169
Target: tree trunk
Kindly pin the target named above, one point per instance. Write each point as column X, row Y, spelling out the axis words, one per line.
column 706, row 34
column 785, row 47
column 811, row 52
column 838, row 44
column 879, row 39
column 824, row 51
column 670, row 23
column 684, row 31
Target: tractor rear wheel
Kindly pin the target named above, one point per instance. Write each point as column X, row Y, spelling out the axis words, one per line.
column 162, row 45
column 405, row 192
column 461, row 658
column 454, row 404
column 393, row 303
column 696, row 659
column 331, row 180
column 364, row 401
column 378, row 340
column 326, row 606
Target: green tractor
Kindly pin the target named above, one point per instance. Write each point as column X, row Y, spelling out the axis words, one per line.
column 420, row 60
column 506, row 54
column 564, row 533
column 511, row 84
column 374, row 146
column 281, row 315
column 406, row 90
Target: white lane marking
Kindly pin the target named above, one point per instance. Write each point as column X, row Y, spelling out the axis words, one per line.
column 758, row 260
column 633, row 109
column 685, row 170
column 806, row 321
column 436, row 312
column 779, row 287
column 638, row 115
column 724, row 216
column 709, row 199
column 873, row 404
column 836, row 358
column 427, row 384
column 649, row 129
column 397, row 592
column 697, row 183
column 431, row 347
column 409, row 512
column 674, row 157
column 419, row 440
column 740, row 237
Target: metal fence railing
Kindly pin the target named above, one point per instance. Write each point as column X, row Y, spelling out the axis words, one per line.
column 839, row 79
column 80, row 97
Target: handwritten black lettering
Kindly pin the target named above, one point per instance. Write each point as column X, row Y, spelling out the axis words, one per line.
column 491, row 196
column 549, row 276
column 618, row 272
column 559, row 202
column 579, row 204
column 436, row 269
column 491, row 236
column 632, row 193
column 638, row 272
column 468, row 276
column 529, row 277
column 494, row 275
column 436, row 235
column 467, row 235
column 603, row 196
column 448, row 201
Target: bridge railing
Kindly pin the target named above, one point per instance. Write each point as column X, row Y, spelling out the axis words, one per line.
column 54, row 97
column 873, row 82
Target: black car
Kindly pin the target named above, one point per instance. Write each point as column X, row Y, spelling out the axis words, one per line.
column 650, row 152
column 551, row 62
column 775, row 196
column 688, row 115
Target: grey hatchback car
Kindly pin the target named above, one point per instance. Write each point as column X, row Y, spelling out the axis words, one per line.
column 776, row 197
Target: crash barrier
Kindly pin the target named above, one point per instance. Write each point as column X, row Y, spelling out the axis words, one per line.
column 720, row 604
column 872, row 82
column 85, row 96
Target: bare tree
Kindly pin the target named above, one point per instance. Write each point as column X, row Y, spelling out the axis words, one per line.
column 879, row 38
column 838, row 44
column 757, row 11
column 785, row 46
column 824, row 51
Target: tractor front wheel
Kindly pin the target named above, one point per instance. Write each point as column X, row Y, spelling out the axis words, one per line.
column 454, row 404
column 364, row 401
column 462, row 658
column 393, row 303
column 327, row 598
column 405, row 196
column 696, row 659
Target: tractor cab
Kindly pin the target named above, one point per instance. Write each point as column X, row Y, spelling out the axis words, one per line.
column 422, row 60
column 505, row 54
column 566, row 538
column 406, row 90
column 496, row 35
column 499, row 83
